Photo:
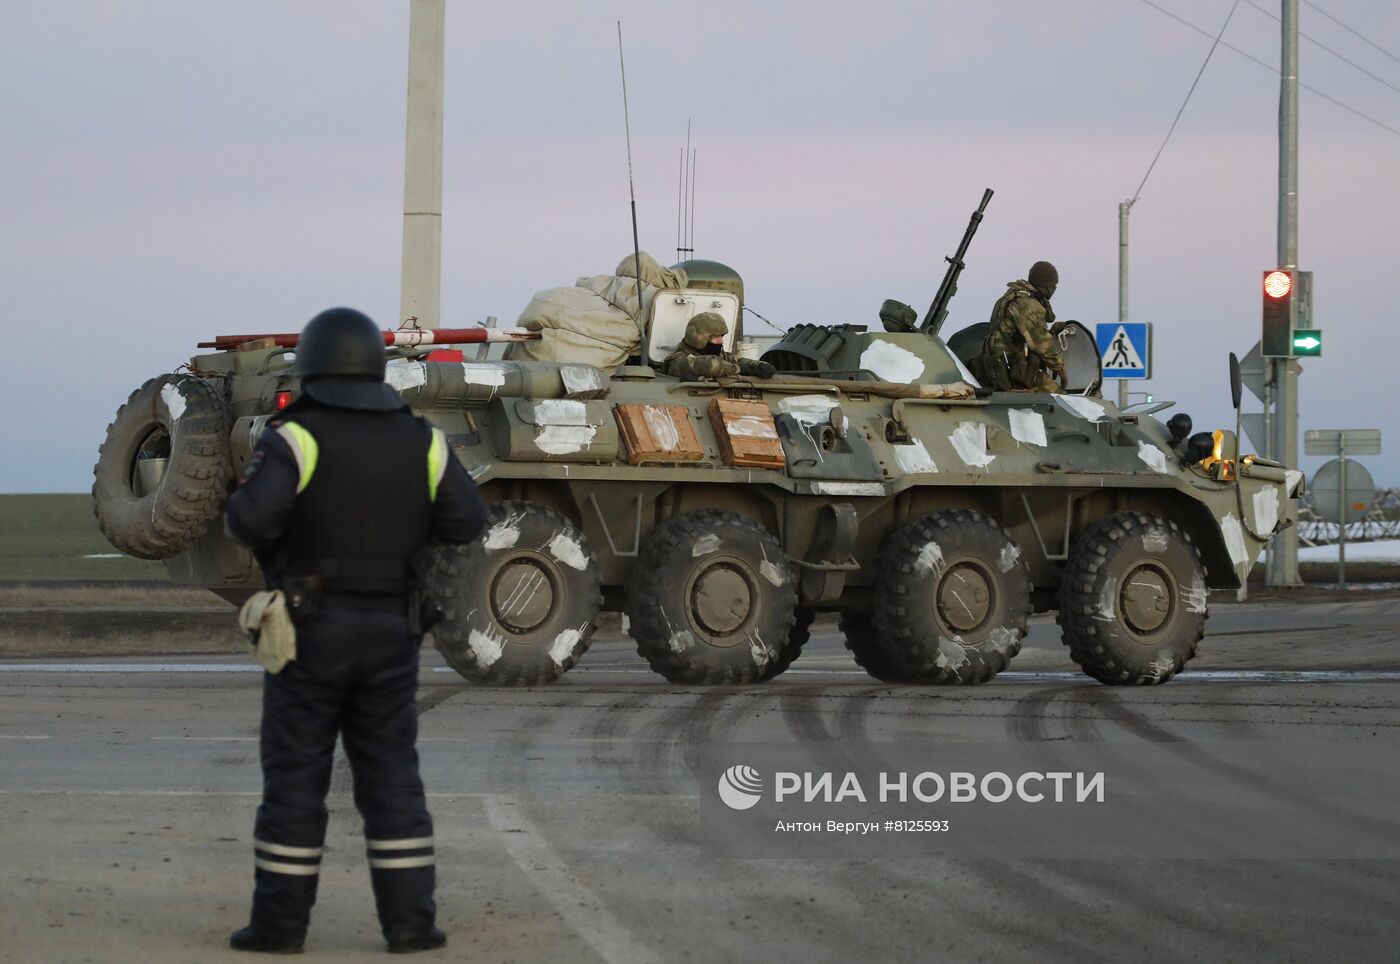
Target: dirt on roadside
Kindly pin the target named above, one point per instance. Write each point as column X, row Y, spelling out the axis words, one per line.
column 105, row 595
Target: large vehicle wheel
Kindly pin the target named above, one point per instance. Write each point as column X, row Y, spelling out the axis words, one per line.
column 953, row 598
column 864, row 643
column 798, row 637
column 711, row 599
column 164, row 470
column 520, row 603
column 1133, row 600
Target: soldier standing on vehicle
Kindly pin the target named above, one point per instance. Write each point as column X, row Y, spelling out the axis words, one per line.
column 344, row 488
column 701, row 353
column 1020, row 352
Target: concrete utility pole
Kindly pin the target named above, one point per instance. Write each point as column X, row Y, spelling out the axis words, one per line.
column 1123, row 208
column 1281, row 568
column 421, row 289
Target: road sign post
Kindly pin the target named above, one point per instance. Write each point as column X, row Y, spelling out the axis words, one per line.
column 1342, row 532
column 1125, row 349
column 1354, row 487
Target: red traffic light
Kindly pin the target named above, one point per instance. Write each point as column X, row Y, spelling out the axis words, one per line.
column 1277, row 284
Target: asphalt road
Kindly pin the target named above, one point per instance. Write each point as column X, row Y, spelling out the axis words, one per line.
column 566, row 816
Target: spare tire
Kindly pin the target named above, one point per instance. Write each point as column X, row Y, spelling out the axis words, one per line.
column 164, row 470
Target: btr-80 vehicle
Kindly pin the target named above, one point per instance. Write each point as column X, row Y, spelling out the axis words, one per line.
column 866, row 479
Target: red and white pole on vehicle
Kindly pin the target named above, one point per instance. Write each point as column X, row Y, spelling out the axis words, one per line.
column 399, row 338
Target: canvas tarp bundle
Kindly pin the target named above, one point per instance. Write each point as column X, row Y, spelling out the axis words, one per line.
column 596, row 322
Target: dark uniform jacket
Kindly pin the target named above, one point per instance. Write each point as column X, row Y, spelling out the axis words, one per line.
column 1019, row 352
column 351, row 496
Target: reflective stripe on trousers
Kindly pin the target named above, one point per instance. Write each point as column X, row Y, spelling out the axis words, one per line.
column 284, row 859
column 401, row 854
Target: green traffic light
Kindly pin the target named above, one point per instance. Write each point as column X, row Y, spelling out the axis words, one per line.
column 1307, row 343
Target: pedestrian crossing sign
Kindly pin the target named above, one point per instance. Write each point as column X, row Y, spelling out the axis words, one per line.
column 1125, row 349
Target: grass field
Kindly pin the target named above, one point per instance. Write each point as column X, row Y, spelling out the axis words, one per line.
column 55, row 537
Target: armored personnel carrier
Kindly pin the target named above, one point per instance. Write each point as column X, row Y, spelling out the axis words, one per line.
column 871, row 478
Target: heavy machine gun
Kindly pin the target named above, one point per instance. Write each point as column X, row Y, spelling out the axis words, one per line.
column 938, row 311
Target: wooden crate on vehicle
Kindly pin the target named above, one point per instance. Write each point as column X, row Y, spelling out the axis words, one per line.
column 747, row 436
column 658, row 433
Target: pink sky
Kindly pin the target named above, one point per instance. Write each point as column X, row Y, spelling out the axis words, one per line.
column 174, row 171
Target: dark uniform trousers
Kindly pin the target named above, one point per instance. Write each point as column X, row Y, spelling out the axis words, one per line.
column 356, row 674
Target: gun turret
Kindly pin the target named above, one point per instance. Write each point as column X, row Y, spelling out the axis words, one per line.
column 938, row 311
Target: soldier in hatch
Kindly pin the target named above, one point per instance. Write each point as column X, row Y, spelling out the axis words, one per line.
column 1020, row 352
column 701, row 353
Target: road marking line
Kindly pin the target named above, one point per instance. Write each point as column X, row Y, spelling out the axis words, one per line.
column 23, row 737
column 130, row 793
column 42, row 791
column 581, row 909
column 130, row 668
column 207, row 739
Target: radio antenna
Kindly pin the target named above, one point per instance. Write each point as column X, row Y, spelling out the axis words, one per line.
column 631, row 190
column 685, row 201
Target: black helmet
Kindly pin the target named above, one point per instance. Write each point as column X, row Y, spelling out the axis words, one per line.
column 340, row 358
column 341, row 341
column 1044, row 278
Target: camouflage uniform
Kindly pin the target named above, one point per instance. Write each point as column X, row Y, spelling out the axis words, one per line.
column 691, row 361
column 1020, row 353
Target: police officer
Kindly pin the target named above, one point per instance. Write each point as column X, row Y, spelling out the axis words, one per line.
column 701, row 353
column 1020, row 352
column 343, row 489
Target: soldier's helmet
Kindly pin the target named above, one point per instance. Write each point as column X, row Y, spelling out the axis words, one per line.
column 343, row 342
column 1044, row 278
column 340, row 358
column 703, row 327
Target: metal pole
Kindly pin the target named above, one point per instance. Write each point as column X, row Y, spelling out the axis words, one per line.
column 1342, row 507
column 1123, row 208
column 421, row 284
column 1283, row 560
column 1268, row 446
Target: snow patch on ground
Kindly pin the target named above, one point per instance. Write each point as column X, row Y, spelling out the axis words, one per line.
column 1382, row 550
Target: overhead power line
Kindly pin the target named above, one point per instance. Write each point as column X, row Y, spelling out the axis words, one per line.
column 1182, row 108
column 1360, row 36
column 1274, row 70
column 1322, row 46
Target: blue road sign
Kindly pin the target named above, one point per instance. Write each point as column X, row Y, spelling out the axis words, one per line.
column 1125, row 349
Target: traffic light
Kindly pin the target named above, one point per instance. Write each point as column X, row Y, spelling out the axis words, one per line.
column 1288, row 331
column 1307, row 342
column 1280, row 311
